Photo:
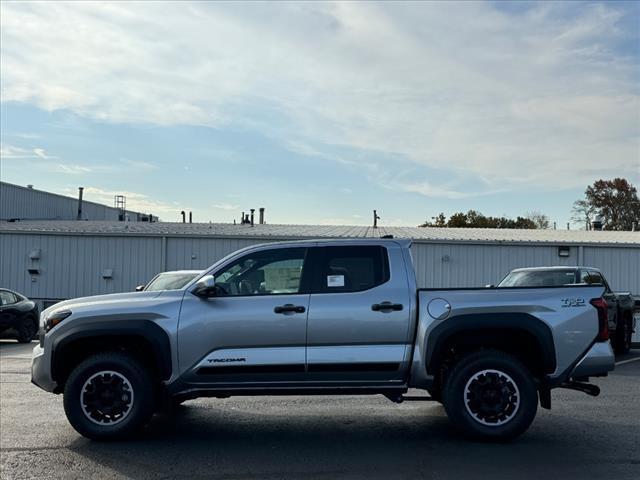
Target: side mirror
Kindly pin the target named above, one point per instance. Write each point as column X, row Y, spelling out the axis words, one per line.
column 140, row 288
column 489, row 285
column 205, row 287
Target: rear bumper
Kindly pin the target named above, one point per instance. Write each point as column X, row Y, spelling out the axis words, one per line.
column 41, row 369
column 597, row 362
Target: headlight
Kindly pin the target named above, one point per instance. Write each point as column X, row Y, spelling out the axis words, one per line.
column 55, row 318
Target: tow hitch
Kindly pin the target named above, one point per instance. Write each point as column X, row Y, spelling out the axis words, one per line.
column 587, row 388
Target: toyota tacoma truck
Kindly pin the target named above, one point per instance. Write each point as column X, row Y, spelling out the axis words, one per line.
column 620, row 305
column 322, row 317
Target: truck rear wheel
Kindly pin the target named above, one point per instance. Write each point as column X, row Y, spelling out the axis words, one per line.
column 490, row 395
column 109, row 395
column 622, row 340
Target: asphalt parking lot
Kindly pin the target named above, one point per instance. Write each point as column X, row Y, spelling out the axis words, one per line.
column 320, row 437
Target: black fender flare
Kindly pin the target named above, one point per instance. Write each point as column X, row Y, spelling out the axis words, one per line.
column 149, row 330
column 438, row 337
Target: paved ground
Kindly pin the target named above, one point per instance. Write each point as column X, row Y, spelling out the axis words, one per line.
column 321, row 437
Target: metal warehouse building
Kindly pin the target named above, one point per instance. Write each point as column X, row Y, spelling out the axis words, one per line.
column 51, row 260
column 27, row 203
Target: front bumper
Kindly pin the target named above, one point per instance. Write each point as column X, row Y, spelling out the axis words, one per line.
column 41, row 369
column 597, row 362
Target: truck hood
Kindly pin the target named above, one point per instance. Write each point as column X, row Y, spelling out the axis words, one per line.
column 117, row 305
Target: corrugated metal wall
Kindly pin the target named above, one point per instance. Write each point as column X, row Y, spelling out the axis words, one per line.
column 72, row 265
column 199, row 253
column 468, row 265
column 620, row 266
column 25, row 203
column 30, row 204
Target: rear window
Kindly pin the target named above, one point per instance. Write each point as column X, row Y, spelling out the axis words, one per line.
column 350, row 269
column 539, row 278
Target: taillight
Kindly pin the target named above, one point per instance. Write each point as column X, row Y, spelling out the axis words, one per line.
column 603, row 318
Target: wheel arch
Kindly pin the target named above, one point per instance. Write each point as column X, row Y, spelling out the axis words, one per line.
column 521, row 334
column 144, row 339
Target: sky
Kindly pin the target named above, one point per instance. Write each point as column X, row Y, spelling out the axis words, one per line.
column 321, row 112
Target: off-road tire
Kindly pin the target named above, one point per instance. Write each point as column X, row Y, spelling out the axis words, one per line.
column 473, row 372
column 142, row 398
column 622, row 340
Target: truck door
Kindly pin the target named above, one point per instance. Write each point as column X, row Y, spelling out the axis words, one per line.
column 359, row 312
column 254, row 330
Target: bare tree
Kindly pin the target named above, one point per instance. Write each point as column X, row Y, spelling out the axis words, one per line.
column 539, row 219
column 583, row 213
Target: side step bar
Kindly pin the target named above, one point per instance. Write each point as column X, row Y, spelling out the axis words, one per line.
column 396, row 398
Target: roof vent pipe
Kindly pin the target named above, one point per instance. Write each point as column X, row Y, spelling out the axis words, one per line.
column 596, row 224
column 184, row 219
column 375, row 219
column 80, row 190
column 261, row 215
column 190, row 217
column 252, row 212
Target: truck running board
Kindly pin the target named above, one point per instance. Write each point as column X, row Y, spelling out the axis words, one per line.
column 587, row 388
column 396, row 398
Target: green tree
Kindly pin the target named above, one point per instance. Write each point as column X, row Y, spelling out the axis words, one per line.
column 475, row 219
column 614, row 201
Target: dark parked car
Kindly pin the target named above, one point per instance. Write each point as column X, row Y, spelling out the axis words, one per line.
column 620, row 305
column 19, row 313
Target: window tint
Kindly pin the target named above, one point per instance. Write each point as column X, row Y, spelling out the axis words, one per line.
column 269, row 272
column 350, row 269
column 7, row 298
column 595, row 278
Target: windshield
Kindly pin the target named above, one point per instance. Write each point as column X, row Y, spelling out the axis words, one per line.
column 539, row 278
column 170, row 281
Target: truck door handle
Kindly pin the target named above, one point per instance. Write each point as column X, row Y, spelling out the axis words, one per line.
column 289, row 307
column 386, row 307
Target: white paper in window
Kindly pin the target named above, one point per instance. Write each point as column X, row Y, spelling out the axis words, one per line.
column 335, row 280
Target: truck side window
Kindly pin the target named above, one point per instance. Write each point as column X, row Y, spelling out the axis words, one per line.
column 267, row 272
column 595, row 278
column 350, row 269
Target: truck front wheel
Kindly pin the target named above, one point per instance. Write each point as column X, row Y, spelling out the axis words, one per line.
column 109, row 395
column 490, row 395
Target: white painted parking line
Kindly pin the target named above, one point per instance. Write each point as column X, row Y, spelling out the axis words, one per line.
column 627, row 361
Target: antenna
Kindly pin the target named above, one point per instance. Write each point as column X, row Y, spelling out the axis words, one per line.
column 375, row 219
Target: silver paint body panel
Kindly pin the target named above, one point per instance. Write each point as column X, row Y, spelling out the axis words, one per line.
column 335, row 329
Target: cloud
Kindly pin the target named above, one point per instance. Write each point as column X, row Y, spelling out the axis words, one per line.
column 139, row 165
column 225, row 206
column 68, row 169
column 135, row 201
column 541, row 95
column 10, row 152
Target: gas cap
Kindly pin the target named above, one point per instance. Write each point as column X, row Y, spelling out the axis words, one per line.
column 439, row 308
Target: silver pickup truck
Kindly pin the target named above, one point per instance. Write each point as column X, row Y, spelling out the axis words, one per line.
column 322, row 317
